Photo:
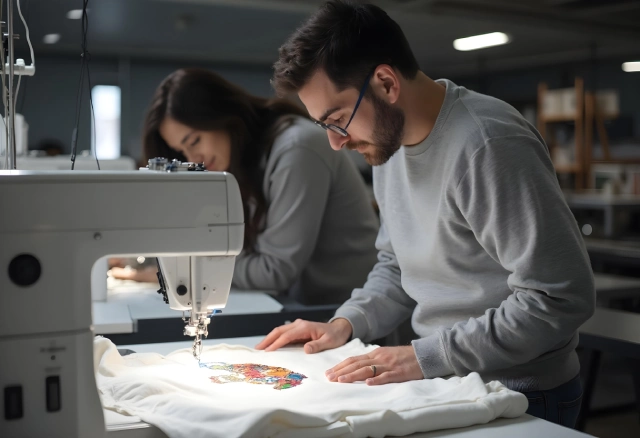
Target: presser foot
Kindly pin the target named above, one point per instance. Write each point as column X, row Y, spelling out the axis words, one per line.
column 199, row 330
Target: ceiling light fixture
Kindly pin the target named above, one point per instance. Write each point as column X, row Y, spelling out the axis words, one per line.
column 74, row 14
column 51, row 38
column 481, row 41
column 631, row 66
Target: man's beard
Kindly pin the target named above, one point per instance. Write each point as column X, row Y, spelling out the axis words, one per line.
column 387, row 132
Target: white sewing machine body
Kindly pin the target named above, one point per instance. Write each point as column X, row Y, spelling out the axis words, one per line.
column 54, row 226
column 63, row 162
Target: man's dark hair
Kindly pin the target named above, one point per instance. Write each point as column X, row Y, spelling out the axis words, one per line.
column 346, row 39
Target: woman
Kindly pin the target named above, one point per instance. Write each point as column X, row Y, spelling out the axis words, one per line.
column 310, row 227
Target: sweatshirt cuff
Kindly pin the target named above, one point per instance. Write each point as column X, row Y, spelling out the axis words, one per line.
column 432, row 357
column 356, row 318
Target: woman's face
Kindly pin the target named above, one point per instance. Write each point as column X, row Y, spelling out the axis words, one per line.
column 213, row 148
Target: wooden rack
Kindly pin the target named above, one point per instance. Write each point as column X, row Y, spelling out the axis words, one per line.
column 594, row 116
column 577, row 116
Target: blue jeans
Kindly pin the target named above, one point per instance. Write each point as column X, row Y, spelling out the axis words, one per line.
column 560, row 405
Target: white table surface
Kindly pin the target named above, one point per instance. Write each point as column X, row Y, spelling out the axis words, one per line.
column 122, row 310
column 526, row 426
column 614, row 247
column 614, row 324
column 606, row 282
column 595, row 199
column 112, row 318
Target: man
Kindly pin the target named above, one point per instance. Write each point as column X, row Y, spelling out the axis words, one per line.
column 477, row 244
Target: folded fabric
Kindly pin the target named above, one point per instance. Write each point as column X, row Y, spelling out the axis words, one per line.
column 238, row 391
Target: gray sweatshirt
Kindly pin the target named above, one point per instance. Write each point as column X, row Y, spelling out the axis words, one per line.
column 478, row 246
column 320, row 230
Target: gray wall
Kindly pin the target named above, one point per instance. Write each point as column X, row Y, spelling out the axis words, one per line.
column 48, row 100
column 520, row 87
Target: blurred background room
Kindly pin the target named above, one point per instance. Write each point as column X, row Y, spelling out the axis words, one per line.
column 571, row 67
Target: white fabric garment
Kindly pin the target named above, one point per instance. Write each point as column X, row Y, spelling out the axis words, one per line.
column 174, row 394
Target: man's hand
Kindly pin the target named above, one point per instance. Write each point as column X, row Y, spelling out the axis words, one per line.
column 392, row 365
column 321, row 336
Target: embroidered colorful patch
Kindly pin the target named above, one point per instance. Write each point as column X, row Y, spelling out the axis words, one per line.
column 257, row 374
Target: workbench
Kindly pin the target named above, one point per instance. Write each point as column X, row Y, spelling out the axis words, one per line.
column 526, row 426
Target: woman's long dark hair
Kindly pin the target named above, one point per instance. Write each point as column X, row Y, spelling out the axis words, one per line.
column 205, row 101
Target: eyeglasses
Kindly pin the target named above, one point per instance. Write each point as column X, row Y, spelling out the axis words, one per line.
column 343, row 131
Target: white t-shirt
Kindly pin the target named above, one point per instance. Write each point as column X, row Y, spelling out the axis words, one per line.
column 289, row 395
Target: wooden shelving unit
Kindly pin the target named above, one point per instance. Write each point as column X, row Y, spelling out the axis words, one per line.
column 593, row 116
column 545, row 122
column 568, row 168
column 585, row 115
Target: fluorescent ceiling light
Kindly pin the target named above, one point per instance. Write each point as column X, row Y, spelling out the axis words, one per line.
column 74, row 14
column 631, row 66
column 481, row 41
column 51, row 38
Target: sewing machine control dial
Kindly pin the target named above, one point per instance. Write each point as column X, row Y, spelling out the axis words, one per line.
column 24, row 270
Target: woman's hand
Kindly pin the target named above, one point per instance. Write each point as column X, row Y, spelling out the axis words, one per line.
column 144, row 275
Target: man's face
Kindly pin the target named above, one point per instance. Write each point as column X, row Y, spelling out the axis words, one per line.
column 376, row 130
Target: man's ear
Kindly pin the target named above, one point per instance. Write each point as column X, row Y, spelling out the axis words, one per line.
column 386, row 83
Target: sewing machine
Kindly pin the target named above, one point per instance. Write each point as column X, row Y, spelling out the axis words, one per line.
column 54, row 226
column 63, row 162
